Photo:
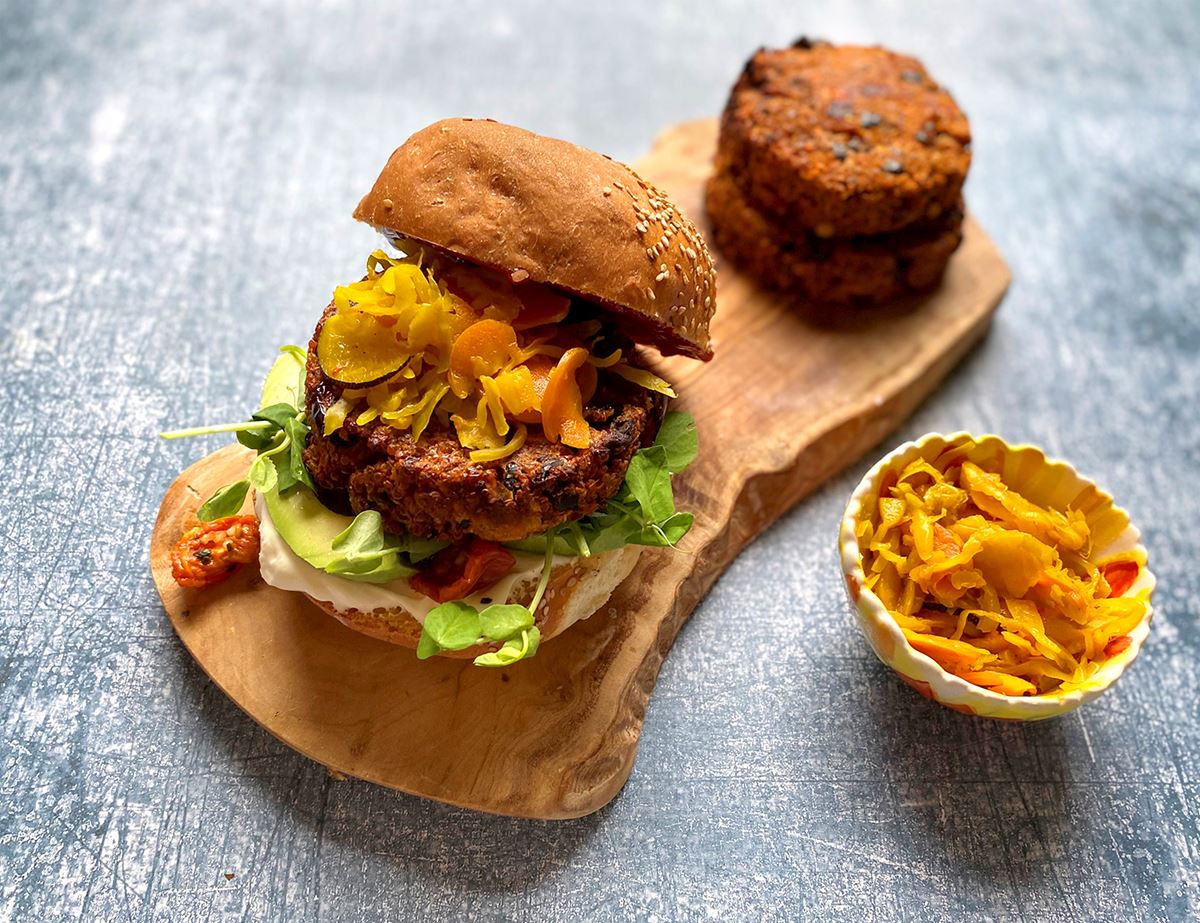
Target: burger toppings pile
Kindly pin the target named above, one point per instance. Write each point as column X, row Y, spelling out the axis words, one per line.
column 997, row 589
column 424, row 338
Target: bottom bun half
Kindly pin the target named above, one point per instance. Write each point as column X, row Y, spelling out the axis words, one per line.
column 577, row 588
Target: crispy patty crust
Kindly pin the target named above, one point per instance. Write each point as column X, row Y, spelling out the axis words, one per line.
column 859, row 270
column 845, row 140
column 432, row 489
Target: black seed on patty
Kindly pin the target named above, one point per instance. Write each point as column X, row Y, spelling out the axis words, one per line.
column 547, row 470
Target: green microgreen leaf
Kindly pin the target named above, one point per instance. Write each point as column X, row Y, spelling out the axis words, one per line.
column 225, row 502
column 366, row 553
column 298, row 432
column 453, row 626
column 277, row 414
column 502, row 622
column 426, row 646
column 679, row 439
column 258, row 440
column 676, row 527
column 362, row 539
column 385, row 568
column 649, row 481
column 285, row 480
column 262, row 474
column 665, row 534
column 512, row 651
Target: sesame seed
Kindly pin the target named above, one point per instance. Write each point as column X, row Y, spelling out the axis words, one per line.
column 607, row 190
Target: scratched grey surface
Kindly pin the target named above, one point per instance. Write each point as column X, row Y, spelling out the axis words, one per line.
column 175, row 190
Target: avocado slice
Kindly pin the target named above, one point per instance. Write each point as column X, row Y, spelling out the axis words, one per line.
column 303, row 521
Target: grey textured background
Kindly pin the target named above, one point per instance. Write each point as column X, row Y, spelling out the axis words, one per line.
column 175, row 188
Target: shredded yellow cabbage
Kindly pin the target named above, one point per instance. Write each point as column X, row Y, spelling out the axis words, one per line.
column 423, row 338
column 995, row 588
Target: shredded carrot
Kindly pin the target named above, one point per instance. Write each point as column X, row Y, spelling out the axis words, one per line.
column 562, row 404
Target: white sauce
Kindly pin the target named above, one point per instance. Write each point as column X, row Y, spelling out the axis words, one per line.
column 283, row 568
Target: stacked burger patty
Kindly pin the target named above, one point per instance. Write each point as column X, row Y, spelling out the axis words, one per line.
column 839, row 173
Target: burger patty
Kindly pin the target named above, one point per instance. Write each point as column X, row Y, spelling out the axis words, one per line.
column 432, row 489
column 845, row 140
column 852, row 270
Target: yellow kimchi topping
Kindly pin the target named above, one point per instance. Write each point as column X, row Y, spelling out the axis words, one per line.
column 422, row 339
column 994, row 588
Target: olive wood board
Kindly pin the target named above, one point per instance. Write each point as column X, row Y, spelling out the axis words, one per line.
column 793, row 395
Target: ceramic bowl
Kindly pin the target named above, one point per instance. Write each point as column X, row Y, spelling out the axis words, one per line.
column 1045, row 481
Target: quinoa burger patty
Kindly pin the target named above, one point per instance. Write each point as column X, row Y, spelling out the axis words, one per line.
column 853, row 270
column 434, row 490
column 846, row 140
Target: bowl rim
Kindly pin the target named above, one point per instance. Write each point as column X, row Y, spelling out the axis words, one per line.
column 871, row 608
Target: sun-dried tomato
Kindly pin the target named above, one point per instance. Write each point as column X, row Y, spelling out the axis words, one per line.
column 208, row 552
column 460, row 570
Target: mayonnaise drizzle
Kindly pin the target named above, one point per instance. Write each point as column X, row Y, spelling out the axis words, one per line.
column 283, row 568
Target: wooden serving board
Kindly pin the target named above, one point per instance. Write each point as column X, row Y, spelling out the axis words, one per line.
column 792, row 396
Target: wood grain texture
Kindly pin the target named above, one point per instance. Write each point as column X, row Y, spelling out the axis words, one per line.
column 793, row 395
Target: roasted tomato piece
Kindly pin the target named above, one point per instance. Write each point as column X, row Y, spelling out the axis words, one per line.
column 463, row 569
column 208, row 552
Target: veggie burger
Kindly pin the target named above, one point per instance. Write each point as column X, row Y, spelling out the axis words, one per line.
column 472, row 452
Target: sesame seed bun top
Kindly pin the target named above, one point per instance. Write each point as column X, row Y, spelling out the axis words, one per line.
column 548, row 211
